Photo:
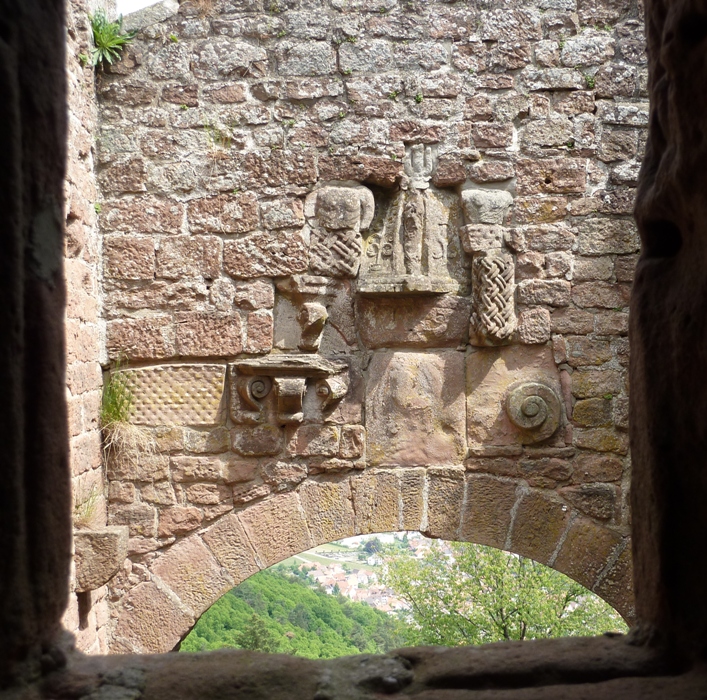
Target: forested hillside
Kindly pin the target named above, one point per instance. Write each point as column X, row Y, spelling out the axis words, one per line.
column 279, row 611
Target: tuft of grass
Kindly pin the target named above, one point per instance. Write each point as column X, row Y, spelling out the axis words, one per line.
column 85, row 506
column 590, row 80
column 109, row 39
column 120, row 437
column 418, row 97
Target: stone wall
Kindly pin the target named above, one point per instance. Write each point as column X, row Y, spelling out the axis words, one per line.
column 87, row 611
column 370, row 266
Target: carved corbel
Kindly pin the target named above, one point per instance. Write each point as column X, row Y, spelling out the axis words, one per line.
column 246, row 400
column 290, row 395
column 332, row 389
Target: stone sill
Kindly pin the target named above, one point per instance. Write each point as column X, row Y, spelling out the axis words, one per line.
column 578, row 668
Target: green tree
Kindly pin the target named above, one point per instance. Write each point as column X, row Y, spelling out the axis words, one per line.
column 256, row 636
column 476, row 595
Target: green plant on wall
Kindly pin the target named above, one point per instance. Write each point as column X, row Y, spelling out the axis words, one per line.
column 109, row 39
column 120, row 436
column 85, row 507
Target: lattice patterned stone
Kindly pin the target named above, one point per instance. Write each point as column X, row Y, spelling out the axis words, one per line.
column 177, row 394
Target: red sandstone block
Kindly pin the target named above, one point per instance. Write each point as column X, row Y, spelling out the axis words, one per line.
column 601, row 294
column 179, row 520
column 538, row 525
column 224, row 213
column 129, row 257
column 140, row 338
column 551, row 176
column 189, row 256
column 148, row 214
column 208, row 335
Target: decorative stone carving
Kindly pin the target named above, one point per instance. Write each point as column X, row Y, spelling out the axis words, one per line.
column 336, row 216
column 273, row 388
column 310, row 294
column 535, row 408
column 493, row 317
column 408, row 251
column 98, row 555
column 188, row 394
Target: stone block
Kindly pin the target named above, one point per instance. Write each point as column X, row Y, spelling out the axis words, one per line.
column 601, row 295
column 140, row 518
column 191, row 571
column 282, row 213
column 261, row 440
column 212, row 441
column 585, row 551
column 353, row 442
column 545, row 472
column 150, row 622
column 282, row 474
column 125, row 176
column 179, row 520
column 224, row 213
column 259, row 332
column 489, row 374
column 276, row 528
column 183, row 394
column 551, row 176
column 597, row 468
column 208, row 335
column 160, row 493
column 598, row 501
column 134, row 465
column 376, row 501
column 281, row 167
column 128, row 257
column 477, row 238
column 208, row 494
column 549, row 292
column 431, row 322
column 223, row 57
column 314, row 439
column 536, row 79
column 140, row 338
column 539, row 522
column 534, row 326
column 328, row 505
column 616, row 587
column 415, row 409
column 445, row 499
column 592, row 413
column 588, row 382
column 270, row 254
column 486, row 515
column 189, row 256
column 583, row 351
column 486, row 206
column 601, row 440
column 229, row 543
column 253, row 296
column 571, row 320
column 98, row 555
column 306, row 58
column 185, row 468
column 607, row 236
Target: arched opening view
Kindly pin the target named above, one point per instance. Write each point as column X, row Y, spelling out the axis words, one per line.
column 375, row 593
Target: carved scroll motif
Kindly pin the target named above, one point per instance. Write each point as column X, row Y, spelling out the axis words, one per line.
column 535, row 408
column 493, row 319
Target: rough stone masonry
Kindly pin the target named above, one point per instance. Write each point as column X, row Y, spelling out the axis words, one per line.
column 369, row 264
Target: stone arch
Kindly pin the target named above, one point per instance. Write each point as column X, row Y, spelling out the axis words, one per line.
column 181, row 583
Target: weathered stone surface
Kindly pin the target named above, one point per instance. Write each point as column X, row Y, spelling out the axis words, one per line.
column 98, row 555
column 192, row 572
column 276, row 528
column 585, row 551
column 159, row 623
column 176, row 394
column 229, row 543
column 489, row 374
column 140, row 338
column 539, row 522
column 140, row 518
column 534, row 326
column 189, row 256
column 129, row 257
column 595, row 500
column 415, row 410
column 445, row 498
column 208, row 335
column 376, row 501
column 227, row 213
column 425, row 323
column 602, row 236
column 486, row 516
column 329, row 510
column 271, row 254
column 179, row 520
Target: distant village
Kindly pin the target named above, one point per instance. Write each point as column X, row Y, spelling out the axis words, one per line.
column 355, row 577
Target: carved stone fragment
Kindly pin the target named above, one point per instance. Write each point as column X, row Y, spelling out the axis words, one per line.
column 272, row 389
column 336, row 216
column 98, row 555
column 535, row 408
column 493, row 318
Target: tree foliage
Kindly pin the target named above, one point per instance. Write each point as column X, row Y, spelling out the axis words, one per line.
column 476, row 595
column 282, row 610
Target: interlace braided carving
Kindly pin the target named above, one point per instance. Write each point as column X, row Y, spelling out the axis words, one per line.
column 493, row 276
column 335, row 253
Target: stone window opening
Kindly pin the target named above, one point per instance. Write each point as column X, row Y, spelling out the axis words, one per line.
column 667, row 449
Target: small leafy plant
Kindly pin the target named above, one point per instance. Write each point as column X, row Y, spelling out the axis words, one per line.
column 418, row 97
column 85, row 507
column 109, row 39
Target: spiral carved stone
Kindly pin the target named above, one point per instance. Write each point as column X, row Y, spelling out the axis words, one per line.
column 535, row 408
column 260, row 387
